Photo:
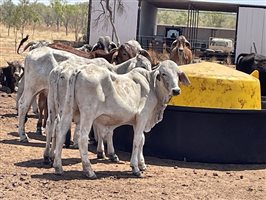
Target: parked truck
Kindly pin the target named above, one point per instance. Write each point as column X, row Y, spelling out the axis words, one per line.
column 220, row 48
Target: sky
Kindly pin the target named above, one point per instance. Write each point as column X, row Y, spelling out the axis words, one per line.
column 249, row 2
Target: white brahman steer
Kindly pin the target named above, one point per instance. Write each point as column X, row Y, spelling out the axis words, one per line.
column 57, row 92
column 38, row 64
column 37, row 67
column 137, row 98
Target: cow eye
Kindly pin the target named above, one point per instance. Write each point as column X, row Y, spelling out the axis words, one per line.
column 163, row 74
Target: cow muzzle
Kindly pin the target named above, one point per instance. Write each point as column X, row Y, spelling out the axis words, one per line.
column 176, row 91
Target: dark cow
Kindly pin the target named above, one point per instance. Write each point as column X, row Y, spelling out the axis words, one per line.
column 249, row 62
column 10, row 75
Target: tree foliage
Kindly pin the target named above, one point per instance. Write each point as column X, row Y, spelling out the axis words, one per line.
column 58, row 14
column 206, row 19
column 7, row 10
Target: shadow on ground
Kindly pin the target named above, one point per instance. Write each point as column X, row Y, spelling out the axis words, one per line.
column 79, row 175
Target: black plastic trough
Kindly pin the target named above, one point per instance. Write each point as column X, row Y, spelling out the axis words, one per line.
column 203, row 135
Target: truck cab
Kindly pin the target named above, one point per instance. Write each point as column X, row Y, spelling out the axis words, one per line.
column 220, row 45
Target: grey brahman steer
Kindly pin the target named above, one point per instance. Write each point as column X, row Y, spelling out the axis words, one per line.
column 137, row 98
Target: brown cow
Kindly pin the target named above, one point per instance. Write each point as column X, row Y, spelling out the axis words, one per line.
column 180, row 51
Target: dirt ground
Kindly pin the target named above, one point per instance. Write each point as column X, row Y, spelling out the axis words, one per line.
column 24, row 176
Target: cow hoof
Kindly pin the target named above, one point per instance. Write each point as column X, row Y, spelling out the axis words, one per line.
column 100, row 155
column 24, row 140
column 46, row 160
column 38, row 132
column 74, row 146
column 114, row 158
column 137, row 174
column 36, row 112
column 142, row 167
column 51, row 162
column 135, row 170
column 91, row 176
column 58, row 170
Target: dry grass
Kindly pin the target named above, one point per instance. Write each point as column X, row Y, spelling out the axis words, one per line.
column 8, row 44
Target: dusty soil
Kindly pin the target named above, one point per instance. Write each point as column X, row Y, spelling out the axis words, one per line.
column 24, row 176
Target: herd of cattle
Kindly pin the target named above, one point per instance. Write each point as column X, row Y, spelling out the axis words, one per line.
column 101, row 86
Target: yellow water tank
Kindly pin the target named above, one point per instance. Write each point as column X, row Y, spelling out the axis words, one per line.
column 217, row 86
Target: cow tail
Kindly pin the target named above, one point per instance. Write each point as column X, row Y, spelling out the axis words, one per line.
column 70, row 93
column 52, row 102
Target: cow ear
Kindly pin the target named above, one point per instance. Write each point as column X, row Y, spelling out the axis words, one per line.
column 156, row 76
column 188, row 44
column 114, row 58
column 184, row 80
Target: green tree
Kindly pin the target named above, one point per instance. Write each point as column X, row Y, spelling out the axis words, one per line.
column 172, row 17
column 23, row 16
column 68, row 14
column 36, row 18
column 79, row 19
column 6, row 10
column 58, row 8
column 206, row 19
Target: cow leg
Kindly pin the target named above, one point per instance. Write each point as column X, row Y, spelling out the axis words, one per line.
column 68, row 138
column 40, row 117
column 76, row 137
column 83, row 148
column 61, row 129
column 19, row 92
column 24, row 104
column 34, row 106
column 100, row 145
column 110, row 147
column 42, row 103
column 45, row 115
column 138, row 142
column 50, row 127
column 141, row 163
column 48, row 132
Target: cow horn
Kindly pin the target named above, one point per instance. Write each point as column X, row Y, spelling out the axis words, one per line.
column 146, row 54
column 22, row 42
column 114, row 58
column 28, row 45
column 114, row 50
column 173, row 44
